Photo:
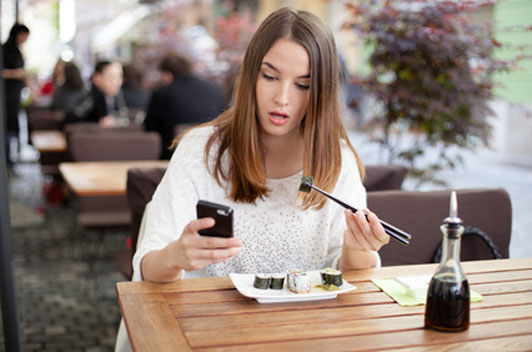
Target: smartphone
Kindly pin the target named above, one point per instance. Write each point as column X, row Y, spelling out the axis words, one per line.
column 222, row 214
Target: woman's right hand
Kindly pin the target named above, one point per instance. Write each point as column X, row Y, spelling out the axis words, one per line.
column 193, row 251
column 189, row 252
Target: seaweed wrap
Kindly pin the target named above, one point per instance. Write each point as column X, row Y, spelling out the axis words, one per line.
column 298, row 281
column 277, row 281
column 331, row 277
column 262, row 281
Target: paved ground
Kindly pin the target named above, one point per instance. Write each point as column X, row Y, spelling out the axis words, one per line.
column 63, row 307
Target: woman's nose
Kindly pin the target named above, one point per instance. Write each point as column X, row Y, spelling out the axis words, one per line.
column 282, row 96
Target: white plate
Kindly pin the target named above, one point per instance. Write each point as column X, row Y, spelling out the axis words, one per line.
column 244, row 285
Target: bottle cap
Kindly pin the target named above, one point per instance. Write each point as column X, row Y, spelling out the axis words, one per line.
column 453, row 211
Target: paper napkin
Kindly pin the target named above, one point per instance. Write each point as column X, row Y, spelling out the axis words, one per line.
column 399, row 293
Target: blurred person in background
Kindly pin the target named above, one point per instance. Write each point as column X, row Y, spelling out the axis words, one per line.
column 184, row 99
column 135, row 97
column 56, row 80
column 70, row 91
column 104, row 103
column 15, row 79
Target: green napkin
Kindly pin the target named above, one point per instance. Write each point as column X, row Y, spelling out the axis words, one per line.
column 398, row 293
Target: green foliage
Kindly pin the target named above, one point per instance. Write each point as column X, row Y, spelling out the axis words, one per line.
column 431, row 72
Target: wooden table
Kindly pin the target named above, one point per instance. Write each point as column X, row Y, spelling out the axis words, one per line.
column 49, row 141
column 102, row 178
column 209, row 314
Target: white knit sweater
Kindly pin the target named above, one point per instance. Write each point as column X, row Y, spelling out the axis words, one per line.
column 277, row 234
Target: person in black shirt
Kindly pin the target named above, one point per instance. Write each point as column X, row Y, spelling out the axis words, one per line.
column 15, row 79
column 185, row 99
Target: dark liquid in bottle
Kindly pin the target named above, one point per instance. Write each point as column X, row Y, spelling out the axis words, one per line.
column 447, row 304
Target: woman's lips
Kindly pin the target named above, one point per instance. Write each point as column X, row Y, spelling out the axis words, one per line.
column 278, row 118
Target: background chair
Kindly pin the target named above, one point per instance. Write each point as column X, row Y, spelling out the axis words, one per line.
column 94, row 127
column 114, row 145
column 110, row 211
column 384, row 177
column 422, row 213
column 141, row 184
column 42, row 118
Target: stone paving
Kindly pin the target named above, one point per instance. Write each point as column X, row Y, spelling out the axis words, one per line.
column 63, row 305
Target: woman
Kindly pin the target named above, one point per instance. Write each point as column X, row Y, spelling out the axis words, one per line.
column 15, row 79
column 71, row 91
column 285, row 123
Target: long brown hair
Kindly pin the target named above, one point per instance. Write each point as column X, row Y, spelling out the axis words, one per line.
column 238, row 131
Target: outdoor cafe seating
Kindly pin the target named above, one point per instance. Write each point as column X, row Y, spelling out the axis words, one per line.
column 190, row 314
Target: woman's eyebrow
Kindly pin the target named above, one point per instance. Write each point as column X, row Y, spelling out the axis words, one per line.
column 277, row 70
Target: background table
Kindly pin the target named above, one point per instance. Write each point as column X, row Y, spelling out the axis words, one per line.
column 209, row 314
column 49, row 141
column 52, row 147
column 102, row 178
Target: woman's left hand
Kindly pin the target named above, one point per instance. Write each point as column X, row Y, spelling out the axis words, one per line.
column 364, row 234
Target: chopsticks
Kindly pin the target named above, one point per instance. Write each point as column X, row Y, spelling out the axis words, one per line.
column 396, row 233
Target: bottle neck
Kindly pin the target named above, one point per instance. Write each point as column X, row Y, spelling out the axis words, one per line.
column 450, row 267
column 451, row 242
column 450, row 249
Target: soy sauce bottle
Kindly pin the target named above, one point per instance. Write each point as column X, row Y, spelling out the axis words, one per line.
column 448, row 296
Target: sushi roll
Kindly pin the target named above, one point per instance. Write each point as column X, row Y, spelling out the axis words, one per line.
column 298, row 281
column 331, row 277
column 262, row 281
column 277, row 281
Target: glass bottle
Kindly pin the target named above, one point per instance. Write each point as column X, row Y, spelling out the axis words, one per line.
column 448, row 295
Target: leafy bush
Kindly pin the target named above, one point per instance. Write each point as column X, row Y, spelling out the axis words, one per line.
column 431, row 73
